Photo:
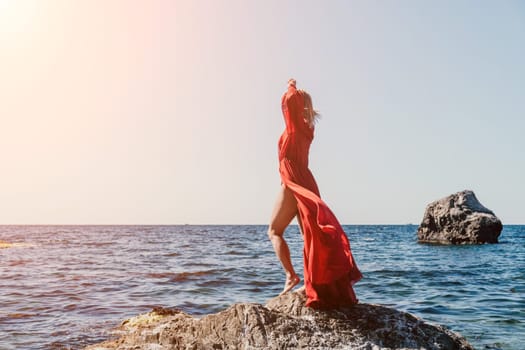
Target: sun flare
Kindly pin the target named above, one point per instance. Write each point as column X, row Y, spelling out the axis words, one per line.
column 17, row 16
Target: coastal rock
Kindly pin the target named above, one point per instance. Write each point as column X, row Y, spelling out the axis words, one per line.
column 459, row 219
column 284, row 323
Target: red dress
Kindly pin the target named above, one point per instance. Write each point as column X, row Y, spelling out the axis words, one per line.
column 329, row 267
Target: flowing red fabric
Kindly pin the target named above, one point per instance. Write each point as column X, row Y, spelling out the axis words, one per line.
column 329, row 267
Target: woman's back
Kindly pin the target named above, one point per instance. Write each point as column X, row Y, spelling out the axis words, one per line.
column 295, row 141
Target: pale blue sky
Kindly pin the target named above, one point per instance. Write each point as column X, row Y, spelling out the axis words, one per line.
column 168, row 112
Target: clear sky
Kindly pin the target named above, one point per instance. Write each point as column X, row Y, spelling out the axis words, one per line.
column 168, row 112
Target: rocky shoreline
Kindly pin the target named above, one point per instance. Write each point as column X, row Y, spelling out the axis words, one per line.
column 283, row 323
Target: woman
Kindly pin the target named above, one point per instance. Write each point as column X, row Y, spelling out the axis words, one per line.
column 329, row 267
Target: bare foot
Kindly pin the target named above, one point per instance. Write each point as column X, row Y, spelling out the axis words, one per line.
column 290, row 283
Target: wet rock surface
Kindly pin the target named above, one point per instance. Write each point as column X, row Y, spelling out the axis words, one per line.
column 284, row 323
column 459, row 219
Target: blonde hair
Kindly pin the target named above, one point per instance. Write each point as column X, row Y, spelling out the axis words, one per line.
column 310, row 114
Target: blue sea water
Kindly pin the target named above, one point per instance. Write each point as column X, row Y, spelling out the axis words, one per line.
column 69, row 285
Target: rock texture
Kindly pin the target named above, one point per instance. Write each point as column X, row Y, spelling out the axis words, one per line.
column 284, row 323
column 459, row 219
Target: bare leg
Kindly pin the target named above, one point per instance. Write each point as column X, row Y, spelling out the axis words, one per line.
column 300, row 223
column 284, row 211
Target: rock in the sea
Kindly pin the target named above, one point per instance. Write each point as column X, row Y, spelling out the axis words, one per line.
column 284, row 323
column 459, row 219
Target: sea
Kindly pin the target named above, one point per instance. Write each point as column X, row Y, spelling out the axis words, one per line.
column 66, row 287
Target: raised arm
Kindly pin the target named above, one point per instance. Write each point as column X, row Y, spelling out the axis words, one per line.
column 292, row 111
